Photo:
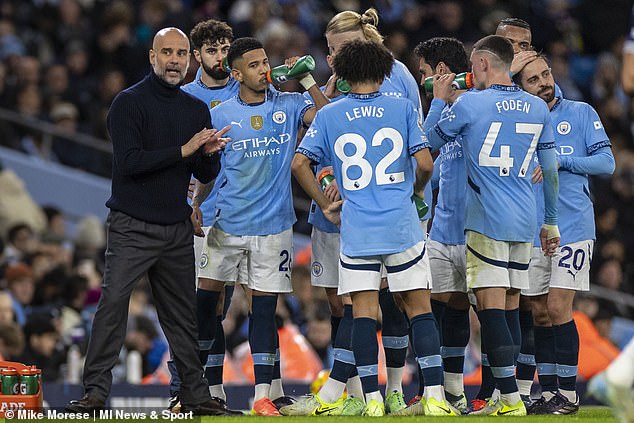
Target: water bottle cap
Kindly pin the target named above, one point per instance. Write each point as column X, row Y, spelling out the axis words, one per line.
column 324, row 172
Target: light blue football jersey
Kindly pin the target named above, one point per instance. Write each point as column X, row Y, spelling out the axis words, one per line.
column 369, row 139
column 400, row 84
column 578, row 133
column 501, row 128
column 449, row 213
column 211, row 96
column 254, row 196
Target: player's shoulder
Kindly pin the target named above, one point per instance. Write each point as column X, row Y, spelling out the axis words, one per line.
column 289, row 99
column 400, row 68
column 189, row 88
column 193, row 101
column 227, row 105
column 536, row 103
column 575, row 106
column 399, row 103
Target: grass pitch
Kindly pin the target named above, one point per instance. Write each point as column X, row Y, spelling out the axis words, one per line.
column 588, row 414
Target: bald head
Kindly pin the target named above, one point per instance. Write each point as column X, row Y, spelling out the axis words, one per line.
column 169, row 55
column 168, row 32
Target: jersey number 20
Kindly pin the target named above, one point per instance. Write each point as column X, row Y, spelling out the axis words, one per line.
column 358, row 159
column 504, row 161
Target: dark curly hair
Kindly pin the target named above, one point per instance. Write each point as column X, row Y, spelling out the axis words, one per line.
column 444, row 49
column 210, row 32
column 363, row 61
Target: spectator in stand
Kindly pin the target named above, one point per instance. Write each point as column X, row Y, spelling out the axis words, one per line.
column 90, row 237
column 17, row 207
column 56, row 88
column 318, row 335
column 21, row 288
column 145, row 339
column 20, row 242
column 42, row 348
column 7, row 315
column 73, row 298
column 11, row 341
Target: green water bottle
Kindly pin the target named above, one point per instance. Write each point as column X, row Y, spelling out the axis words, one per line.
column 421, row 206
column 463, row 81
column 325, row 177
column 224, row 64
column 280, row 74
column 10, row 382
column 343, row 86
column 29, row 384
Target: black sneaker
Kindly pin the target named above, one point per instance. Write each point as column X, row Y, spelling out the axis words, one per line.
column 212, row 407
column 283, row 401
column 87, row 404
column 561, row 405
column 528, row 402
column 174, row 405
column 537, row 407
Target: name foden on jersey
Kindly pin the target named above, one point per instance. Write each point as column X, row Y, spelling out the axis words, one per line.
column 513, row 105
column 364, row 111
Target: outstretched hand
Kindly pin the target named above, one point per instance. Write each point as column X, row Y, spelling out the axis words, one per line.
column 210, row 139
column 216, row 141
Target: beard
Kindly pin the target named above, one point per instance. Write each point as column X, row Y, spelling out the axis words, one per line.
column 169, row 77
column 547, row 93
column 216, row 72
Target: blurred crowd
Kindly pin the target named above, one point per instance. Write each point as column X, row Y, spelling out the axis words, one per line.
column 63, row 61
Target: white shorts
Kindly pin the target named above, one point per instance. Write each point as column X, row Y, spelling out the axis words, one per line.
column 448, row 267
column 492, row 263
column 406, row 271
column 423, row 224
column 324, row 268
column 568, row 268
column 261, row 262
column 201, row 252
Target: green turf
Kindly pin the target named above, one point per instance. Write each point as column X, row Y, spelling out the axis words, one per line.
column 586, row 415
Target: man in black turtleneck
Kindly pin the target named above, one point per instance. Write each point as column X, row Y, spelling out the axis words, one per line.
column 160, row 137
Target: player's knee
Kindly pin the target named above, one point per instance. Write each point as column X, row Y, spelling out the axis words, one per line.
column 415, row 302
column 539, row 308
column 559, row 311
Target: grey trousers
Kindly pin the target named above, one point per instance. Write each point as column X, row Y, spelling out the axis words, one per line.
column 166, row 254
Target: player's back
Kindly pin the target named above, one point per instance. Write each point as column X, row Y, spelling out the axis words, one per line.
column 372, row 137
column 505, row 126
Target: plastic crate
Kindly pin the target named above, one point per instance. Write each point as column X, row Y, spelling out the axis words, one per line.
column 20, row 402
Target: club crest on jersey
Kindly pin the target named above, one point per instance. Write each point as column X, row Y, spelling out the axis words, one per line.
column 257, row 122
column 564, row 127
column 203, row 261
column 279, row 117
column 213, row 103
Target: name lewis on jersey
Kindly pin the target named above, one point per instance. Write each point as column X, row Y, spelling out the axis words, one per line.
column 364, row 111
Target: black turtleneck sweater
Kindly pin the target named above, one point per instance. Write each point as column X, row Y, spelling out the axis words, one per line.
column 148, row 123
